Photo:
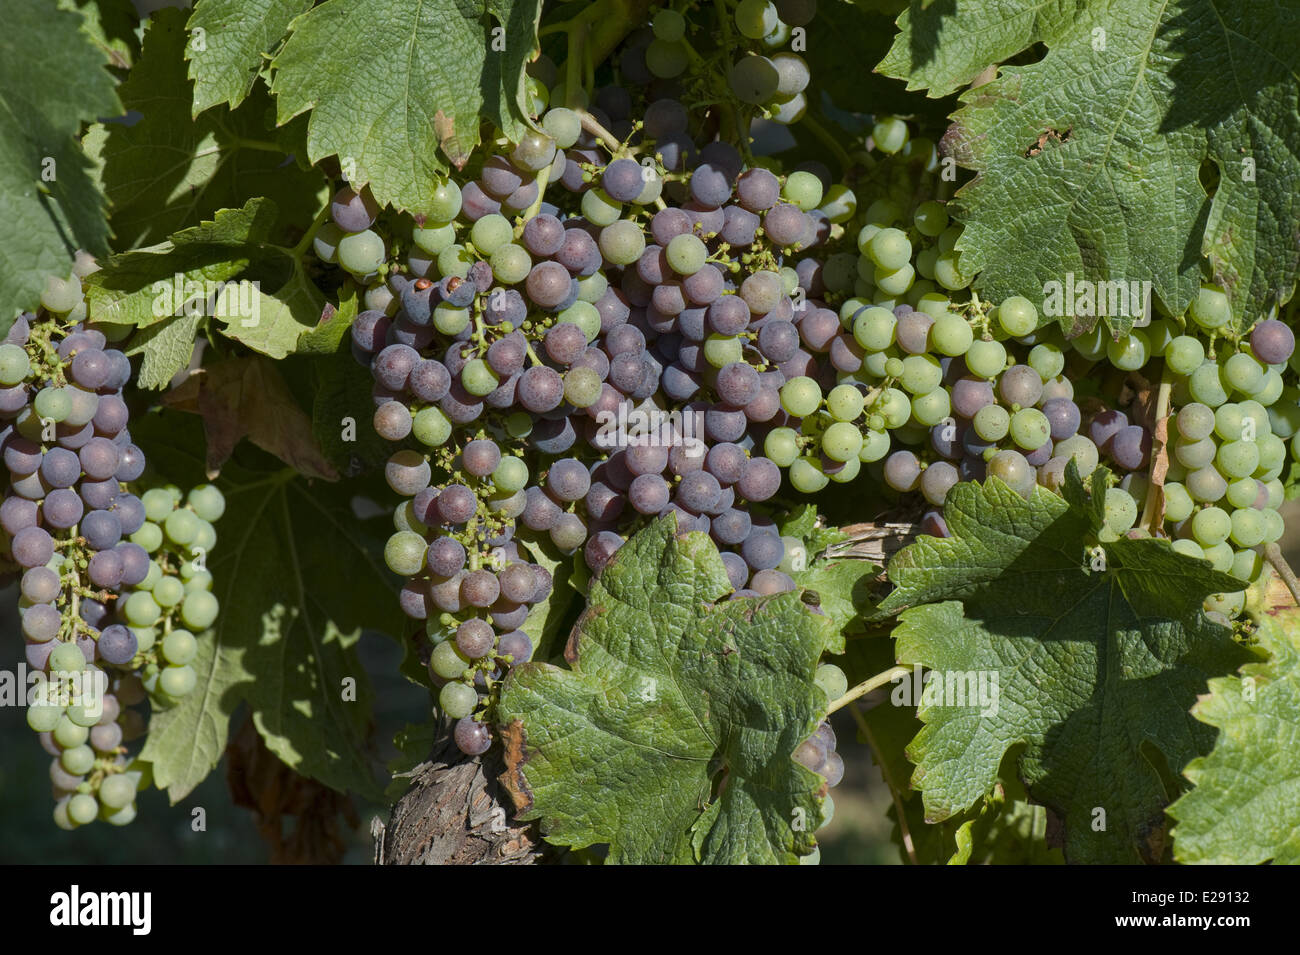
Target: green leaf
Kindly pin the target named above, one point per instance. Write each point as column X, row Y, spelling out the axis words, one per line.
column 670, row 737
column 1094, row 670
column 112, row 25
column 1245, row 809
column 546, row 617
column 298, row 577
column 391, row 83
column 1095, row 153
column 237, row 35
column 334, row 323
column 52, row 79
column 167, row 348
column 170, row 170
column 342, row 414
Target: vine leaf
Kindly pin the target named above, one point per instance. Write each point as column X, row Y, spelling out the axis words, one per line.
column 167, row 349
column 841, row 585
column 236, row 35
column 1094, row 670
column 169, row 170
column 1245, row 807
column 414, row 79
column 298, row 576
column 1071, row 174
column 112, row 25
column 48, row 198
column 221, row 268
column 248, row 397
column 670, row 736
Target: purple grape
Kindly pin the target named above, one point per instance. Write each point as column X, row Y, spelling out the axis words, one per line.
column 472, row 737
column 1272, row 341
column 101, row 529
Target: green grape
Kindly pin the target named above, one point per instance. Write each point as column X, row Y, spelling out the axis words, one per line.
column 207, row 502
column 14, row 364
column 449, row 319
column 68, row 734
column 890, row 134
column 951, row 335
column 986, row 359
column 431, row 427
column 931, row 218
column 1220, row 556
column 1121, row 510
column 42, row 717
column 447, row 661
column 1243, row 373
column 478, row 378
column 1272, row 388
column 1248, row 527
column 1247, row 565
column 865, row 235
column 457, row 700
column 931, row 408
column 832, row 680
column 141, row 610
column 179, row 647
column 1272, row 456
column 686, row 254
column 845, row 402
column 807, row 476
column 839, row 204
column 510, row 263
column 181, row 526
column 852, row 467
column 67, row 658
column 1188, row 548
column 895, row 282
column 199, row 609
column 361, row 253
column 404, row 554
column 1274, row 526
column 432, row 240
column 61, row 295
column 454, row 260
column 583, row 314
column 1029, row 428
column 158, row 503
column 1159, row 334
column 1082, row 450
column 622, row 243
column 599, row 209
column 782, row 446
column 874, row 363
column 720, row 350
column 881, row 213
column 145, row 638
column 1011, row 468
column 1130, row 352
column 1242, row 492
column 925, row 260
column 1205, row 385
column 1046, row 359
column 444, row 203
column 1195, row 454
column 177, row 681
column 842, row 441
column 1092, row 345
column 803, row 189
column 168, row 592
column 1206, row 484
column 1196, row 421
column 1017, row 316
column 1210, row 308
column 82, row 809
column 800, row 396
column 891, row 249
column 921, row 374
column 1230, row 422
column 895, row 407
column 1259, row 415
column 947, row 272
column 1184, row 354
column 875, row 445
column 894, row 367
column 1211, row 525
column 511, row 475
column 52, row 404
column 117, row 791
column 1276, row 493
column 1237, row 459
column 992, row 422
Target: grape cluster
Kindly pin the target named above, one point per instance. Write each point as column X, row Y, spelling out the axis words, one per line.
column 113, row 585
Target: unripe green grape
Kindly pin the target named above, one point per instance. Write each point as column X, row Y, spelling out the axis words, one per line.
column 78, row 760
column 478, row 378
column 1121, row 510
column 1272, row 456
column 875, row 445
column 931, row 408
column 1017, row 316
column 1243, row 373
column 851, row 469
column 1092, row 345
column 69, row 734
column 149, row 536
column 454, row 260
column 592, row 288
column 947, row 272
column 1011, row 468
column 14, row 364
column 447, row 661
column 444, row 203
column 181, row 526
column 1272, row 388
column 842, row 441
column 832, row 680
column 1210, row 308
column 782, row 446
column 1206, row 484
column 891, row 249
column 1248, row 527
column 1274, row 526
column 895, row 282
column 720, row 350
column 807, row 476
column 432, row 240
column 1237, row 459
column 168, row 592
column 840, row 203
column 925, row 260
column 599, row 209
column 1220, row 556
column 1046, row 359
column 510, row 263
column 1247, row 565
column 491, row 232
column 141, row 610
column 986, row 359
column 1188, row 548
column 200, row 608
column 1195, row 454
column 890, row 134
column 951, row 335
column 179, row 647
column 82, row 809
column 457, row 700
column 1184, row 354
column 882, row 213
column 449, row 319
column 1130, row 352
column 921, row 374
column 992, row 422
column 686, row 254
column 1242, row 492
column 582, row 386
column 42, row 717
column 431, row 427
column 1029, row 428
column 117, row 791
column 145, row 638
column 800, row 396
column 207, row 502
column 1205, row 385
column 1178, row 503
column 845, row 402
column 361, row 253
column 1082, row 450
column 404, row 553
column 623, row 243
column 931, row 218
column 865, row 235
column 1159, row 334
column 1196, row 421
column 1211, row 525
column 53, row 404
column 802, row 189
column 895, row 407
